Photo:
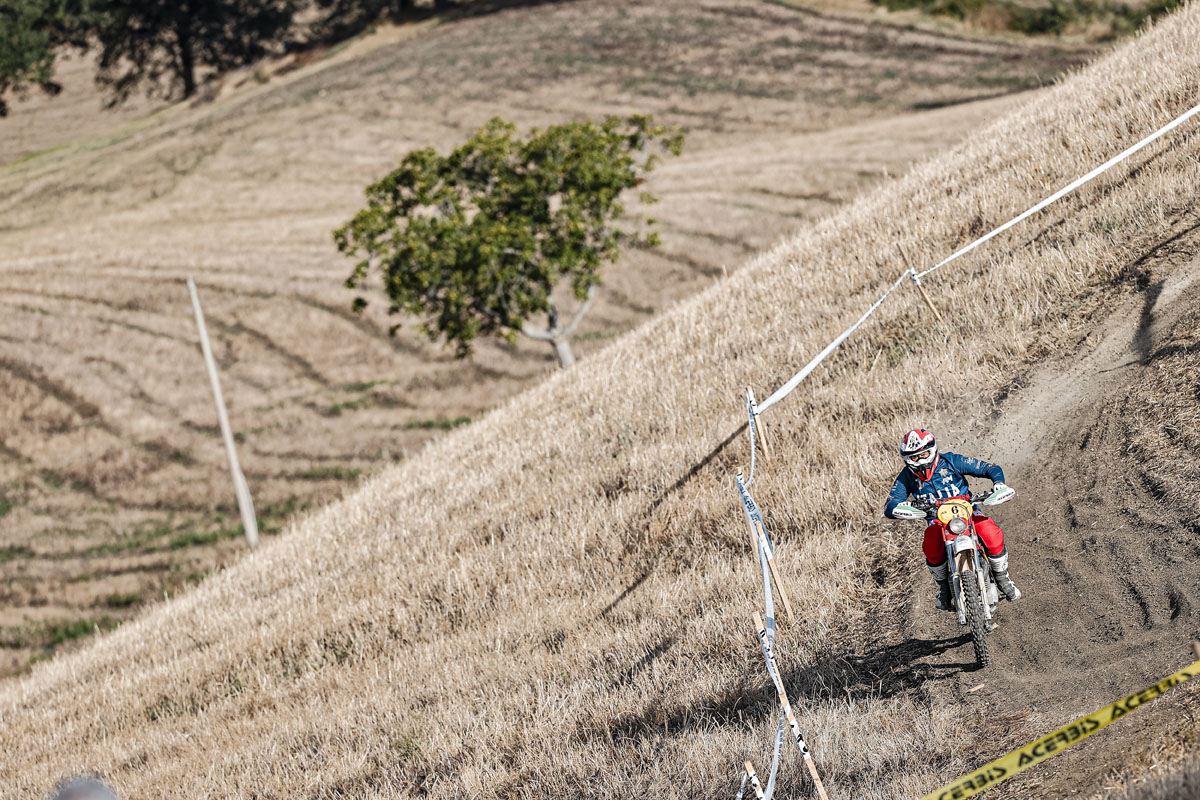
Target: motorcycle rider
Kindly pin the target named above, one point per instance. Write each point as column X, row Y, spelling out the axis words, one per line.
column 930, row 476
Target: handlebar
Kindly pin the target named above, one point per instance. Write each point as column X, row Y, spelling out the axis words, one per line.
column 925, row 505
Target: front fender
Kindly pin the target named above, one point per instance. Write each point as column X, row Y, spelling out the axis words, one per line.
column 963, row 544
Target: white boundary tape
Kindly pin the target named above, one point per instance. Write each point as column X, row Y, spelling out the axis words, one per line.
column 765, row 550
column 770, row 791
column 753, row 515
column 786, row 389
column 762, row 546
column 776, row 752
column 763, row 542
column 1066, row 190
column 796, row 379
column 751, row 413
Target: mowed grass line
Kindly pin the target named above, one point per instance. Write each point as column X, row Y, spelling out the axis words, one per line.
column 554, row 600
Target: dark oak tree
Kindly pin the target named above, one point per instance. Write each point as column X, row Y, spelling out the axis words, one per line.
column 164, row 44
column 31, row 31
column 476, row 241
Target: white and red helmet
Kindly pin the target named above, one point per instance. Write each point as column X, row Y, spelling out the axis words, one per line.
column 920, row 453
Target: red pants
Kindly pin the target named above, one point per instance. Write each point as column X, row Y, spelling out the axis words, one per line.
column 935, row 545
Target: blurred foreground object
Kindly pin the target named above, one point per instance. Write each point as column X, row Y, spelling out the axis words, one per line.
column 83, row 787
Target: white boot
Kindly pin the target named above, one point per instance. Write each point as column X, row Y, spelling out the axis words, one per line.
column 941, row 576
column 1000, row 571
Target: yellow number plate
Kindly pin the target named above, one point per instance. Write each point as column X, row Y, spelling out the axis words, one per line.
column 954, row 508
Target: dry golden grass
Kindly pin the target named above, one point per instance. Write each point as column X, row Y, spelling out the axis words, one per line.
column 1178, row 781
column 1164, row 755
column 109, row 455
column 553, row 601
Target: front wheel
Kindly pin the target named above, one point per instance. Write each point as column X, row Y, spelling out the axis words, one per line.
column 975, row 618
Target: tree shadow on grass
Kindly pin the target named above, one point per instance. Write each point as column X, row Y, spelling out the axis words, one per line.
column 345, row 19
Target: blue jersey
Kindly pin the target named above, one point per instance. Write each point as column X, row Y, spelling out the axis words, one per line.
column 949, row 480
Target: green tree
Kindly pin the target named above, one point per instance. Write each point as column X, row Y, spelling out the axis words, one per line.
column 476, row 241
column 164, row 43
column 30, row 33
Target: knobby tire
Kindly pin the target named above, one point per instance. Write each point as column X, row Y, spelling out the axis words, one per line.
column 975, row 618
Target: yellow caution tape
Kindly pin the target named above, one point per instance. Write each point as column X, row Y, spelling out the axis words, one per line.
column 1037, row 751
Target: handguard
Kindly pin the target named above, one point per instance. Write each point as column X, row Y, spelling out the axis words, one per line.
column 905, row 511
column 1000, row 494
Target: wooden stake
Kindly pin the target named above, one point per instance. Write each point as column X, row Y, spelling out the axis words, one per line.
column 795, row 726
column 783, row 598
column 786, row 705
column 928, row 301
column 1196, row 649
column 762, row 633
column 758, row 426
column 762, row 431
column 812, row 770
column 754, row 782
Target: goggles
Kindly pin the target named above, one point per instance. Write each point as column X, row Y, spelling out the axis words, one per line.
column 917, row 459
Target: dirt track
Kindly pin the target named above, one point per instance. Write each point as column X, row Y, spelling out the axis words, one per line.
column 1107, row 563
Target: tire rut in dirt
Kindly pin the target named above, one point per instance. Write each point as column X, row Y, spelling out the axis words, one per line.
column 1106, row 542
column 1102, row 443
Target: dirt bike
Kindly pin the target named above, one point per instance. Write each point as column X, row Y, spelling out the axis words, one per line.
column 971, row 583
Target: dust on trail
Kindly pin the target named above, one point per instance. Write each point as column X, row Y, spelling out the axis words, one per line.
column 1107, row 567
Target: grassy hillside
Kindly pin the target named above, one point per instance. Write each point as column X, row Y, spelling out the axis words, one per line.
column 113, row 489
column 554, row 599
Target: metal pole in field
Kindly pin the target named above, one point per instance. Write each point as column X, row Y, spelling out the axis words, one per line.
column 245, row 504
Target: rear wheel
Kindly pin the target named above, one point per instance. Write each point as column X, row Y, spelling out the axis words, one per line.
column 975, row 618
